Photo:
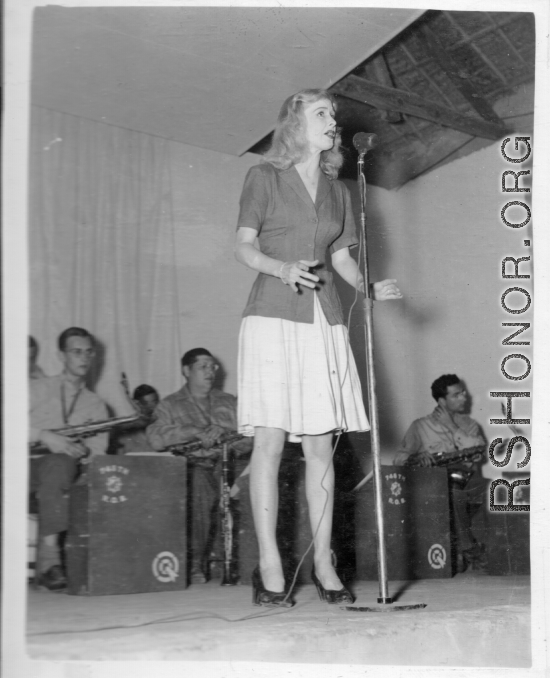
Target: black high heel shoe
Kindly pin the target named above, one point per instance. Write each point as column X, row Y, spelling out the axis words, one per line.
column 261, row 596
column 339, row 597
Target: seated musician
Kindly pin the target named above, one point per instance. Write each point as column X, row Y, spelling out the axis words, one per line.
column 132, row 437
column 58, row 402
column 446, row 432
column 200, row 411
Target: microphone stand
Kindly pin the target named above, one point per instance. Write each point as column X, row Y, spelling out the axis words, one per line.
column 384, row 599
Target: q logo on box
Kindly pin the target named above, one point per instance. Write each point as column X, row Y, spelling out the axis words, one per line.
column 437, row 556
column 166, row 567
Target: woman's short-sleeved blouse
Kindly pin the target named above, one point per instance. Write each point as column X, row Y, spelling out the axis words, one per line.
column 290, row 227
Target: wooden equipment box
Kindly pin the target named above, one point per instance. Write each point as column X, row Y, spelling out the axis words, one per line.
column 127, row 526
column 417, row 525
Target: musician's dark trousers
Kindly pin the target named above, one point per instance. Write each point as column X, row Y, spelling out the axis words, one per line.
column 469, row 513
column 51, row 477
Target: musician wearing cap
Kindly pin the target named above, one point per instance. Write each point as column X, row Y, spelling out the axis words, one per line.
column 435, row 440
column 198, row 411
column 55, row 403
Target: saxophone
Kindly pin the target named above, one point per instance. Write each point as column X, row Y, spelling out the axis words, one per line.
column 473, row 454
column 458, row 477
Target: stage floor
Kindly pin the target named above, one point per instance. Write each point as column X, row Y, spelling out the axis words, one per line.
column 470, row 620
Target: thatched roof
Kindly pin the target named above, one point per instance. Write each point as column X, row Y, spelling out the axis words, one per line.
column 442, row 88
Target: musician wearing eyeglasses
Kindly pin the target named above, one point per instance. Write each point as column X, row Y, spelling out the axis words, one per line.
column 198, row 411
column 449, row 437
column 55, row 403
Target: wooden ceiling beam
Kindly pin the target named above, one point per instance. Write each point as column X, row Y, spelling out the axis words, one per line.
column 467, row 38
column 392, row 99
column 453, row 71
column 471, row 44
column 420, row 65
column 383, row 76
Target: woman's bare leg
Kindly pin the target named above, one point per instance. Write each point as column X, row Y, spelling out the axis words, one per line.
column 320, row 498
column 264, row 497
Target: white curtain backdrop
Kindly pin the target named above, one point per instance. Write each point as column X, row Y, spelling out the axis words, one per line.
column 131, row 236
column 102, row 247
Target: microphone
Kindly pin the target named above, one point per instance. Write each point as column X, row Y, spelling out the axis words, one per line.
column 364, row 142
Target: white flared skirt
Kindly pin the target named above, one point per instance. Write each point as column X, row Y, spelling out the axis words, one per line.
column 299, row 377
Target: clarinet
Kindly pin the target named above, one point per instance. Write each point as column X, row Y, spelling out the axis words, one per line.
column 185, row 449
column 80, row 431
column 227, row 520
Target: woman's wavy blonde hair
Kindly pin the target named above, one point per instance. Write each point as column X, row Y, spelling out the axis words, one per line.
column 289, row 144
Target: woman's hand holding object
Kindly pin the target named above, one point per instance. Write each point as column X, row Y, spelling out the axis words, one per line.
column 296, row 273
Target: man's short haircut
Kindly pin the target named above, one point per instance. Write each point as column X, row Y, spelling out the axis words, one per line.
column 191, row 356
column 440, row 385
column 72, row 332
column 144, row 390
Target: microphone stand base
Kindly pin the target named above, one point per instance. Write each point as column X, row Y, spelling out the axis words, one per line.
column 386, row 607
